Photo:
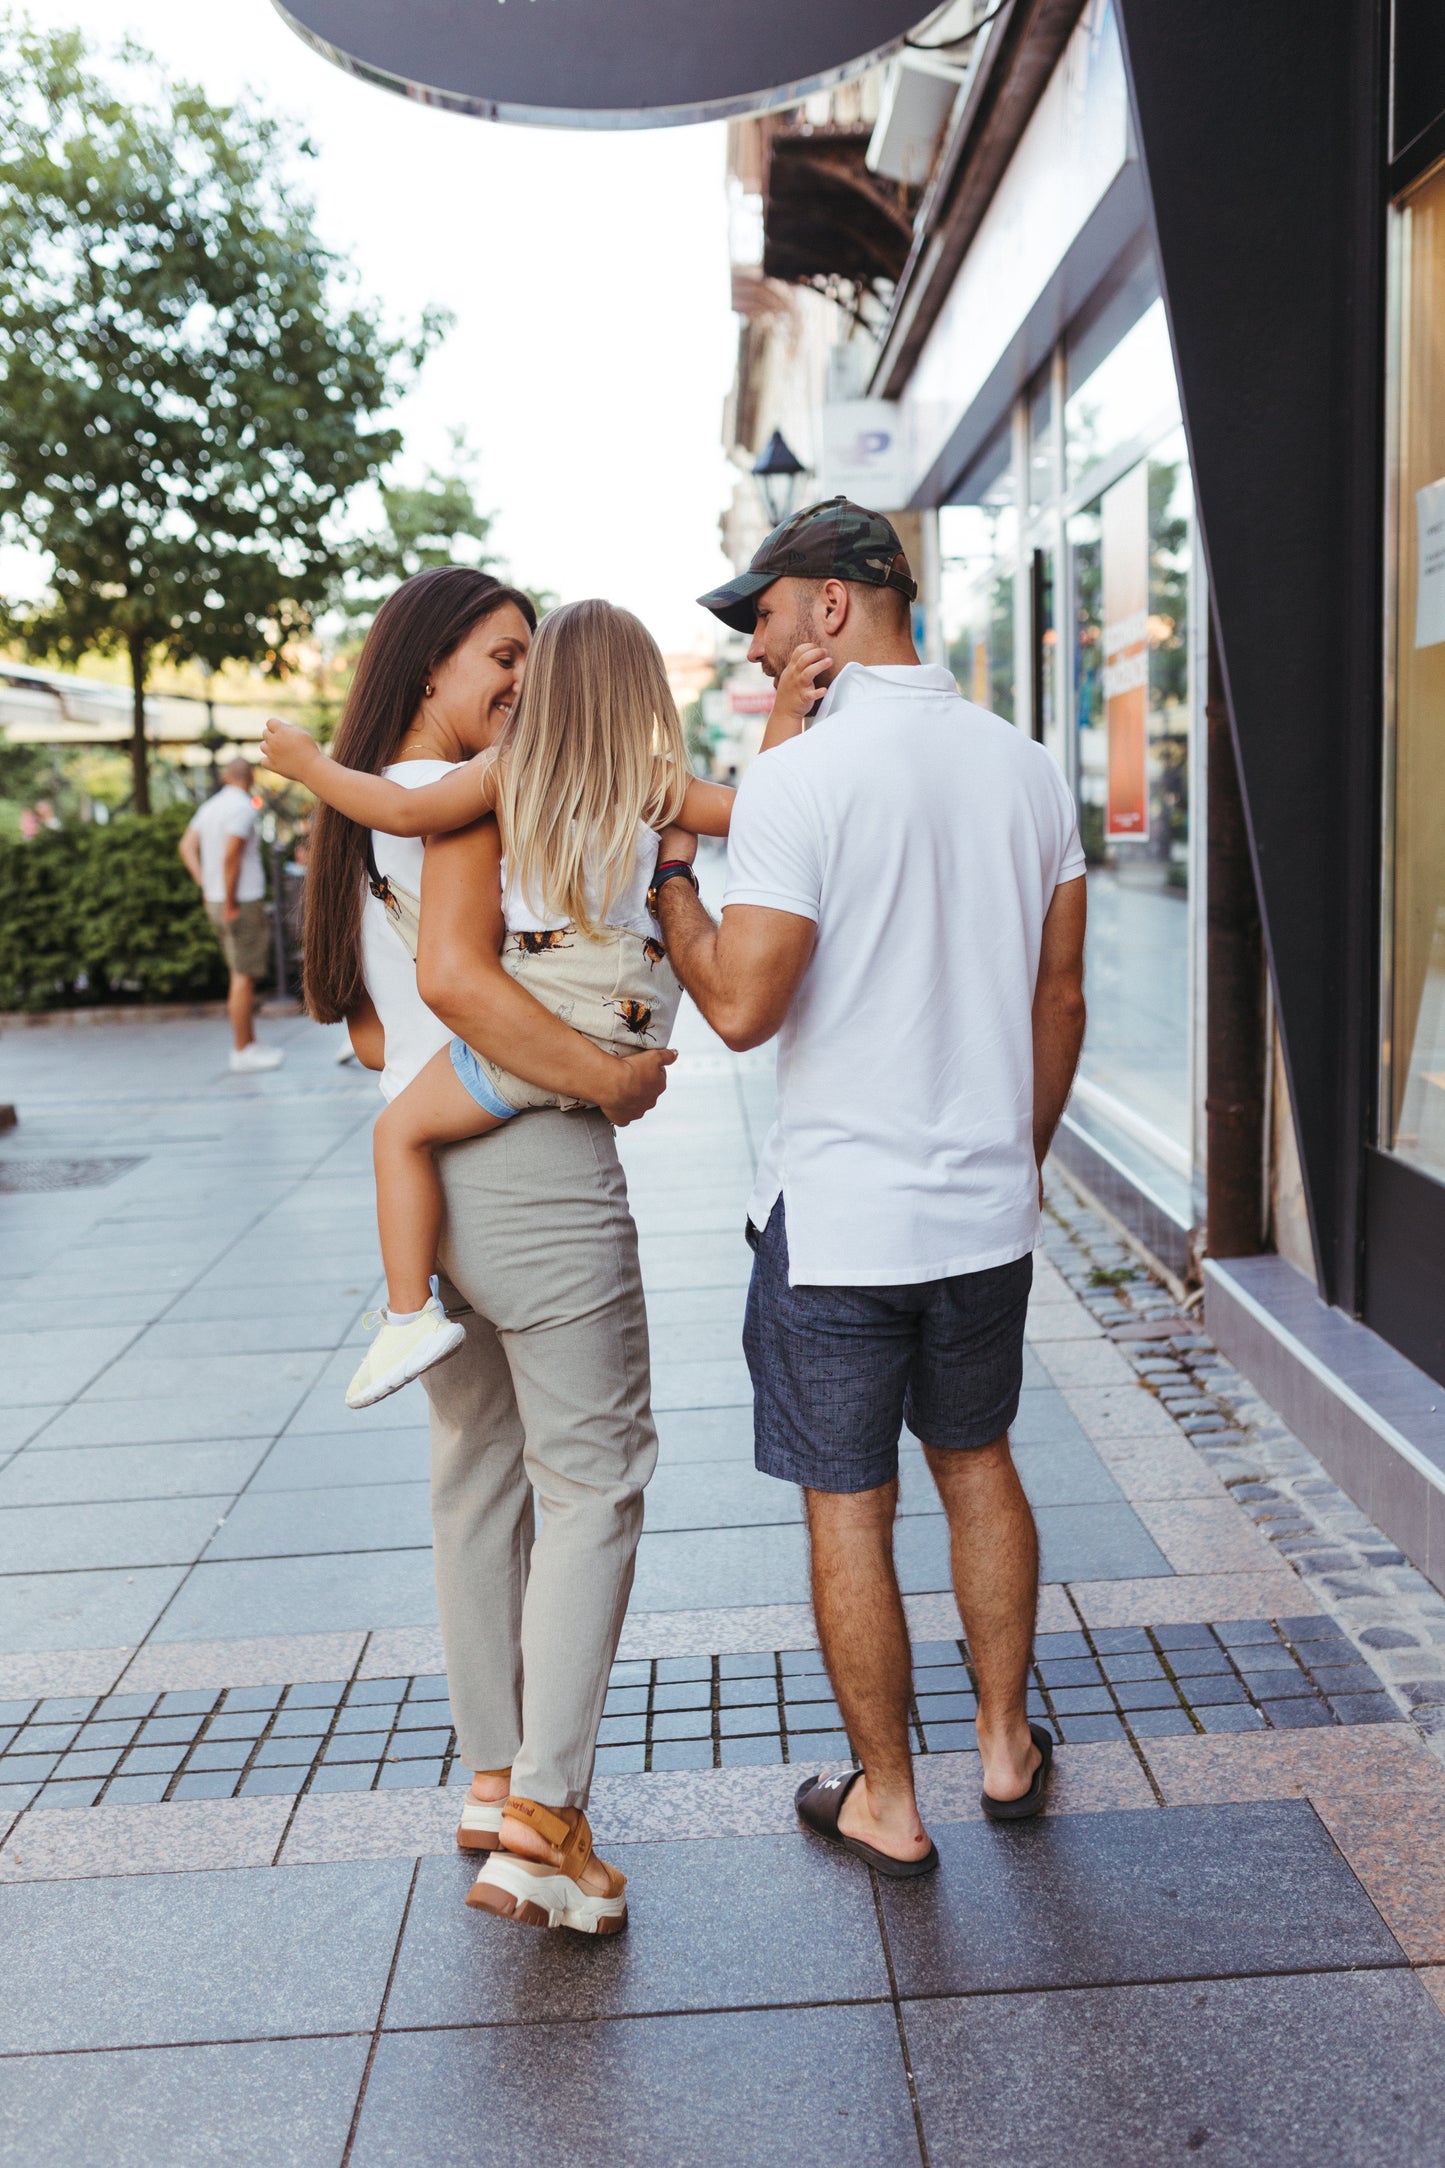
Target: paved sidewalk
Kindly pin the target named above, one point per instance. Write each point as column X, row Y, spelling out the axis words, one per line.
column 229, row 1903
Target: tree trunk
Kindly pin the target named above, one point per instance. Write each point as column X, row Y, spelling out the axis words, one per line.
column 139, row 767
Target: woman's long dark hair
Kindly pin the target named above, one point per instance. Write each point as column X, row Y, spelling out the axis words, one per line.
column 415, row 630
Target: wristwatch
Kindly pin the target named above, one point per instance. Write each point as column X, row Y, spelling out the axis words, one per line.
column 675, row 868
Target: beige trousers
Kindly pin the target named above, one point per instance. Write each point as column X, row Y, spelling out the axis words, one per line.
column 550, row 1392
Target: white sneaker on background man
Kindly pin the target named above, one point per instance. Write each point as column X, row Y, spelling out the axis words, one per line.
column 249, row 1060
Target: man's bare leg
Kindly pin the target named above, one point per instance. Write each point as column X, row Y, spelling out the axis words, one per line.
column 995, row 1555
column 240, row 1007
column 864, row 1638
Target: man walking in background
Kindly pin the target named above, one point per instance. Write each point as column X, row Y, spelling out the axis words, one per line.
column 905, row 906
column 222, row 854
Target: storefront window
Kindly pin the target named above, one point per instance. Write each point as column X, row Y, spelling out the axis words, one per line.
column 1413, row 1099
column 1129, row 562
column 978, row 547
column 1129, row 396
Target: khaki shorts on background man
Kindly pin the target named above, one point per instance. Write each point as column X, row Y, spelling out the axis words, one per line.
column 246, row 942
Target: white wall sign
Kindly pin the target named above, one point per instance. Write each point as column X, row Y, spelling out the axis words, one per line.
column 1430, row 577
column 865, row 453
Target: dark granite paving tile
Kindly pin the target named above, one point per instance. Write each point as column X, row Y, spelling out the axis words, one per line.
column 1253, row 2073
column 408, row 1775
column 1238, row 1716
column 261, row 2104
column 751, row 2089
column 1076, row 1900
column 682, row 1754
column 249, row 1952
column 1364, row 1708
column 814, row 1939
column 1214, row 1691
column 1310, row 1714
column 1160, row 1723
column 1177, row 1639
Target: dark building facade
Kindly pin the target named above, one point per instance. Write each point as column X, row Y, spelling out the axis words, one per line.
column 1170, row 349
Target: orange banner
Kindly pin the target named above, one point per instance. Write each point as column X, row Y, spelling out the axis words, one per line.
column 1126, row 654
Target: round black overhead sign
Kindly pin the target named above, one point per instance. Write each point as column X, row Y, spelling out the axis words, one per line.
column 603, row 63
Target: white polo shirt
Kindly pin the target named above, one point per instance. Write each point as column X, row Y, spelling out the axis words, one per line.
column 230, row 813
column 925, row 838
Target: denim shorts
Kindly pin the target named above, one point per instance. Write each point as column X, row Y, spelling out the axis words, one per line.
column 838, row 1371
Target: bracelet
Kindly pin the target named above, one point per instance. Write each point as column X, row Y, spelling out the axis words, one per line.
column 674, row 869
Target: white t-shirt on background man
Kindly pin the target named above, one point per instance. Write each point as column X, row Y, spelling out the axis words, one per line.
column 925, row 838
column 230, row 813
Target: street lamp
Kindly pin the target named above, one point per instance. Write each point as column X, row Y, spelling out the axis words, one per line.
column 777, row 468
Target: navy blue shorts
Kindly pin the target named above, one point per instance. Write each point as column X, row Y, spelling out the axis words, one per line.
column 838, row 1371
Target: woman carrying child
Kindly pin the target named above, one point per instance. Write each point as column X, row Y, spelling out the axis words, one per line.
column 535, row 1360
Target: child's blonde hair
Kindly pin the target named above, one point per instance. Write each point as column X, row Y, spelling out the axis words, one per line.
column 593, row 747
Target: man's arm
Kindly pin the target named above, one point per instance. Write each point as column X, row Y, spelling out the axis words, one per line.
column 190, row 848
column 1059, row 1013
column 231, row 873
column 742, row 974
column 459, row 976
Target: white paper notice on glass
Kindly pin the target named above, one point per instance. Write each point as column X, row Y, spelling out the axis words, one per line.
column 1430, row 586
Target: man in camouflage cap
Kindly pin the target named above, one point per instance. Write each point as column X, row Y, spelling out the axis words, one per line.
column 905, row 909
column 834, row 540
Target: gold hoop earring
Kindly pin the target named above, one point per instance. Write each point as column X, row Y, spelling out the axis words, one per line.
column 428, row 690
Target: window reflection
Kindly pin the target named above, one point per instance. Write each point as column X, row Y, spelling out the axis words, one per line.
column 1128, row 398
column 978, row 545
column 1138, row 1042
column 1414, row 1044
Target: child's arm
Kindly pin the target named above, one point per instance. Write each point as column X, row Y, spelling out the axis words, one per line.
column 370, row 800
column 797, row 695
column 707, row 808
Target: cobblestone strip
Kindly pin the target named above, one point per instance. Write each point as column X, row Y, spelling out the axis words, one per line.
column 1353, row 1572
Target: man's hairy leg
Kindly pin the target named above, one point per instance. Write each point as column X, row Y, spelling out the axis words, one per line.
column 240, row 1007
column 995, row 1555
column 864, row 1638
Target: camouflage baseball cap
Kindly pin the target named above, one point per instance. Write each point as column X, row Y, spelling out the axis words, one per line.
column 835, row 540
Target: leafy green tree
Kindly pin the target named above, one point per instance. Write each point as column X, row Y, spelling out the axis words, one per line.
column 190, row 386
column 435, row 522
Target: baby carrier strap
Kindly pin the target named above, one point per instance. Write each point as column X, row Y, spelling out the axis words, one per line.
column 402, row 908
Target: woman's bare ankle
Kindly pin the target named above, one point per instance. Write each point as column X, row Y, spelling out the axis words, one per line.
column 491, row 1785
column 524, row 1842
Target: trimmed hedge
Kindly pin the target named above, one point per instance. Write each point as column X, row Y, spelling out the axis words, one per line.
column 94, row 915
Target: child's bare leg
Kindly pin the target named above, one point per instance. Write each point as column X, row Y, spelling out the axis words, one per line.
column 436, row 1108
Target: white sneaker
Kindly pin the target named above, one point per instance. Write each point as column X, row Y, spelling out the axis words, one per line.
column 400, row 1353
column 248, row 1060
column 344, row 1053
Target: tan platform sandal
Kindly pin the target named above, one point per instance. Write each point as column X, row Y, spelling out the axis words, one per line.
column 535, row 1895
column 480, row 1828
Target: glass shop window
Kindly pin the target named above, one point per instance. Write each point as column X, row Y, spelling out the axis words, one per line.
column 1129, row 398
column 1413, row 1049
column 978, row 547
column 1129, row 565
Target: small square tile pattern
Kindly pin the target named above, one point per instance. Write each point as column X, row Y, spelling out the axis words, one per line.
column 696, row 1712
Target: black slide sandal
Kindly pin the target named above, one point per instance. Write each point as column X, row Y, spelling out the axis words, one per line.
column 1020, row 1810
column 819, row 1802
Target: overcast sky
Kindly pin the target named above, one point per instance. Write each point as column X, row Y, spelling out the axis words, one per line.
column 588, row 274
